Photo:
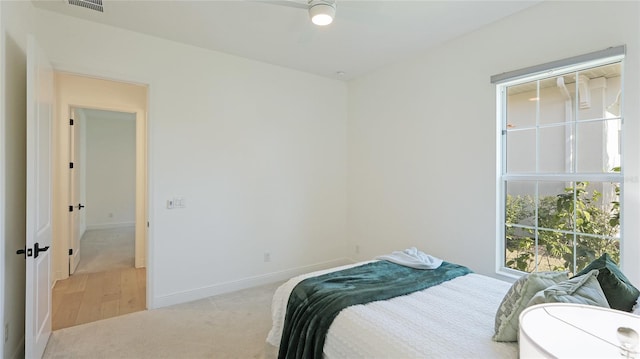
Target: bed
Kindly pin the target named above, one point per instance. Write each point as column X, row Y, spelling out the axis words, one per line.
column 453, row 319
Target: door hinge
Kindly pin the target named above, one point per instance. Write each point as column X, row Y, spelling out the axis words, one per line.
column 70, row 122
column 70, row 251
column 71, row 208
column 70, row 164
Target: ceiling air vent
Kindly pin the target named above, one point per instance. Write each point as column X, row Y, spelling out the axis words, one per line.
column 89, row 4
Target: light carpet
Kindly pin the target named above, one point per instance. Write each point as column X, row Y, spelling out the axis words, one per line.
column 233, row 325
column 107, row 249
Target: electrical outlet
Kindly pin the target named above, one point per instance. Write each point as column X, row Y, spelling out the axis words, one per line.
column 6, row 332
column 267, row 257
column 170, row 204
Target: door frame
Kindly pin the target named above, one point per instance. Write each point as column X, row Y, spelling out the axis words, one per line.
column 143, row 179
column 139, row 210
column 75, row 217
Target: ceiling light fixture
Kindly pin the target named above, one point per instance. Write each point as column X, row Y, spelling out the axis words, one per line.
column 322, row 12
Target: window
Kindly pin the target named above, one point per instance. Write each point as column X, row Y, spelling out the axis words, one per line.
column 560, row 174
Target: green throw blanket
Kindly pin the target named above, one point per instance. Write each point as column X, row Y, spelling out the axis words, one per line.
column 315, row 302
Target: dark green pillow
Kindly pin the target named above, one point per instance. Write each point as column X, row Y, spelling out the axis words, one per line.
column 620, row 293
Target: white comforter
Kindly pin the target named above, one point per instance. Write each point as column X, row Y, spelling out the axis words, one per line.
column 452, row 320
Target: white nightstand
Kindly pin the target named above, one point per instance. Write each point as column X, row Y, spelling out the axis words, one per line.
column 559, row 330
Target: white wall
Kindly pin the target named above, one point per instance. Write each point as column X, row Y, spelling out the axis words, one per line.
column 17, row 21
column 110, row 169
column 422, row 133
column 255, row 150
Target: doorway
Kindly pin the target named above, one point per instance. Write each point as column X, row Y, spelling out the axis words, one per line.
column 102, row 189
column 99, row 245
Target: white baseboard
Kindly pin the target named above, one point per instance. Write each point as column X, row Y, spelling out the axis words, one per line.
column 58, row 275
column 111, row 225
column 217, row 289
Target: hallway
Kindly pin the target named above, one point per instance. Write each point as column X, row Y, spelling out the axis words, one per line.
column 105, row 285
column 106, row 249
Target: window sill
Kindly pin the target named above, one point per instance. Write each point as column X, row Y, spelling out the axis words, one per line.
column 508, row 274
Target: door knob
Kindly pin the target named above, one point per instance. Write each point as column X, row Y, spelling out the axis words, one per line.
column 26, row 253
column 37, row 249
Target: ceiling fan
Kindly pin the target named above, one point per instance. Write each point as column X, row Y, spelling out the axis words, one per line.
column 321, row 12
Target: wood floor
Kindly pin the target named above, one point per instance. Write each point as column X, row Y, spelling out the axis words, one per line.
column 88, row 297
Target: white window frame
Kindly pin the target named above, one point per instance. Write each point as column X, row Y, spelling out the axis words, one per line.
column 556, row 68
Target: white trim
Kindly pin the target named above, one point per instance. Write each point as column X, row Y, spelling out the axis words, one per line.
column 150, row 243
column 508, row 274
column 560, row 65
column 3, row 243
column 232, row 286
column 566, row 177
column 563, row 124
column 562, row 71
column 500, row 165
column 111, row 225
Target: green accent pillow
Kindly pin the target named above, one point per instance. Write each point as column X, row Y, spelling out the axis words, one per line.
column 516, row 300
column 584, row 289
column 620, row 293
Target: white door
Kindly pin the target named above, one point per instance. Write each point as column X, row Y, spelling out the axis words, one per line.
column 75, row 204
column 39, row 122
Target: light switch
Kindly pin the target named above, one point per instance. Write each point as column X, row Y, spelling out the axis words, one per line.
column 179, row 202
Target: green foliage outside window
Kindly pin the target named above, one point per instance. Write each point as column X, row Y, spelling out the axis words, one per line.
column 576, row 207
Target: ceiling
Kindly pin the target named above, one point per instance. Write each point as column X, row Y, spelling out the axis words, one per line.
column 365, row 35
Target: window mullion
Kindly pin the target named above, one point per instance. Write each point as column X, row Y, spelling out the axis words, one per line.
column 537, row 170
column 537, row 157
column 575, row 225
column 537, row 230
column 574, row 145
column 566, row 177
column 574, row 127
